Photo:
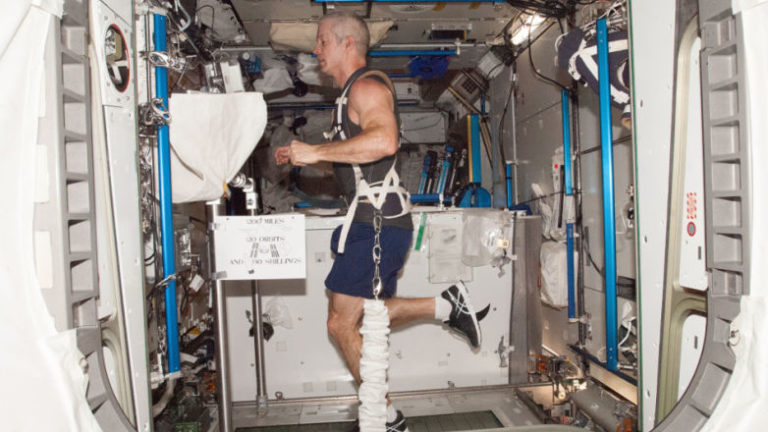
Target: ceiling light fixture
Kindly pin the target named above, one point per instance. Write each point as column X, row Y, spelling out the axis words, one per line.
column 529, row 25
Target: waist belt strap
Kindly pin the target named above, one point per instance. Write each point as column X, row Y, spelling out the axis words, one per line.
column 376, row 193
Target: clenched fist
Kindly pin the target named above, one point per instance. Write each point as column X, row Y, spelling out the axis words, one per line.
column 296, row 153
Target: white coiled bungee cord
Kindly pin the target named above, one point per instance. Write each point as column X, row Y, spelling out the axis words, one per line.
column 374, row 359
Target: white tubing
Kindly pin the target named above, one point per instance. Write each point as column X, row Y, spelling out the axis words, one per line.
column 159, row 407
column 374, row 363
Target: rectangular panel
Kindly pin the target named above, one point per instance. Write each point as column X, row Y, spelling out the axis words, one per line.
column 423, row 127
column 260, row 247
column 302, row 361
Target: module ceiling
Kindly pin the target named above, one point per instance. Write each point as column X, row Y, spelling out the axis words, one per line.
column 416, row 24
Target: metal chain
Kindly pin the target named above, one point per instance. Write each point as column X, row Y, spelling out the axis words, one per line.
column 376, row 252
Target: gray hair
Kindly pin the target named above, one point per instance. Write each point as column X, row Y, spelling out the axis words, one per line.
column 347, row 24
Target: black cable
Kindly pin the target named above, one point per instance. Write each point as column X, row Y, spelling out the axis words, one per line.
column 547, row 8
column 620, row 280
column 530, row 59
column 184, row 299
column 539, row 198
column 599, row 147
column 493, row 69
column 501, row 119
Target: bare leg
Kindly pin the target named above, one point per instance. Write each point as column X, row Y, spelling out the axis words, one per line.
column 344, row 320
column 405, row 310
column 345, row 315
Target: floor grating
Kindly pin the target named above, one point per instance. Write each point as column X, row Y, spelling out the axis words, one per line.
column 476, row 420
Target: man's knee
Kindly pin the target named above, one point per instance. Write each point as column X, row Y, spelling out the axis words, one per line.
column 339, row 326
column 344, row 316
column 333, row 327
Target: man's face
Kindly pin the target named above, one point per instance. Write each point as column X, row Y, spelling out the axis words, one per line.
column 329, row 51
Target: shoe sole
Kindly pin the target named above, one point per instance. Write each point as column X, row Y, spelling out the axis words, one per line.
column 463, row 291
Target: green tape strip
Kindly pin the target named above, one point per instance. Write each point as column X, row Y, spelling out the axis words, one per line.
column 420, row 235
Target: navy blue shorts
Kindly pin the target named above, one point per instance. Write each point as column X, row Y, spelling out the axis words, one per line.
column 352, row 271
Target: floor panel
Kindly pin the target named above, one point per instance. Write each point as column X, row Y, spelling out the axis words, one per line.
column 476, row 420
column 438, row 411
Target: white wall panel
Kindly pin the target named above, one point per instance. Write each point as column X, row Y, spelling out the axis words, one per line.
column 303, row 362
column 652, row 55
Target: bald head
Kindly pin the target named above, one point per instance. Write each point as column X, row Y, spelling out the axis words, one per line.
column 348, row 25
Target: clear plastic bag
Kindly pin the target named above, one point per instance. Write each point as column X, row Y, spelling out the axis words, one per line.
column 278, row 314
column 486, row 237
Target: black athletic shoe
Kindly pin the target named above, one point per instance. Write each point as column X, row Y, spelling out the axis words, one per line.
column 463, row 318
column 396, row 426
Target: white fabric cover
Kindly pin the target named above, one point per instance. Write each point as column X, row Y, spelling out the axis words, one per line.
column 554, row 274
column 300, row 36
column 211, row 136
column 43, row 384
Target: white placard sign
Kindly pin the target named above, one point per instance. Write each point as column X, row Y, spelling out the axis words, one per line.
column 260, row 247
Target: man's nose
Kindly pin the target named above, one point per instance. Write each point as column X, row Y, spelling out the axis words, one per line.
column 316, row 50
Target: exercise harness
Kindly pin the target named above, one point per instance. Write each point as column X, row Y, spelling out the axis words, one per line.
column 374, row 193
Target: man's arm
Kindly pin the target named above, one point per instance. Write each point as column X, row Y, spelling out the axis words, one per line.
column 371, row 106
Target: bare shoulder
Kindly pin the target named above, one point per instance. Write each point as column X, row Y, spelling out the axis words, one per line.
column 369, row 96
column 368, row 89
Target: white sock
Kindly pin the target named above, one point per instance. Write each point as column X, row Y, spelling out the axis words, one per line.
column 442, row 308
column 391, row 413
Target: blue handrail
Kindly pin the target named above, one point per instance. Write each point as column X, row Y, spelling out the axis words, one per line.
column 568, row 193
column 166, row 214
column 609, row 223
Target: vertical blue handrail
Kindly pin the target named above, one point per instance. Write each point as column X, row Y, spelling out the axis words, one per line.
column 567, row 143
column 568, row 193
column 609, row 223
column 166, row 214
column 508, row 178
column 444, row 170
column 474, row 149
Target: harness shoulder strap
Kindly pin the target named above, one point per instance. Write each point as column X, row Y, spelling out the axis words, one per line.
column 342, row 102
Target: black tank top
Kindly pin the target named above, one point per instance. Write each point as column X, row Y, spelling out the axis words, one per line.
column 372, row 171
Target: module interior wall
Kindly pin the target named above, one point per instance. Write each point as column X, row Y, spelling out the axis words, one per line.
column 499, row 89
column 592, row 215
column 538, row 132
column 301, row 361
column 533, row 94
column 538, row 123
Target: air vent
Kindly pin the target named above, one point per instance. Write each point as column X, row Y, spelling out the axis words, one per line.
column 468, row 86
column 448, row 35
